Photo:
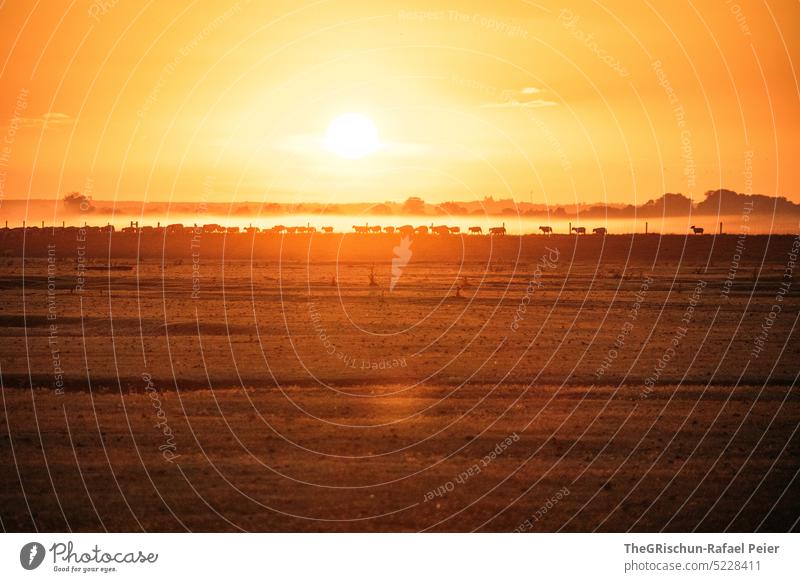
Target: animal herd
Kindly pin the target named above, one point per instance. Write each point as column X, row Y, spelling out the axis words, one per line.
column 405, row 230
column 408, row 229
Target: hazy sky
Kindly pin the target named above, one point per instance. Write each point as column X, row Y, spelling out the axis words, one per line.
column 561, row 102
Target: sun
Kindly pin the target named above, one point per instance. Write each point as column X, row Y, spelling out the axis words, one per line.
column 352, row 136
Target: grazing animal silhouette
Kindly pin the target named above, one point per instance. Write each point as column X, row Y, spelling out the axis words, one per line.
column 361, row 229
column 475, row 230
column 498, row 229
column 441, row 229
column 278, row 228
column 388, row 230
column 579, row 229
column 546, row 229
column 697, row 229
column 421, row 230
column 327, row 229
column 406, row 230
column 375, row 229
column 599, row 230
column 455, row 229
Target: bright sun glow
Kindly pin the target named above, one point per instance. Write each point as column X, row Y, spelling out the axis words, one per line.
column 352, row 136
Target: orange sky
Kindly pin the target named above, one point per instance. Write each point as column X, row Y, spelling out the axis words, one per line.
column 610, row 101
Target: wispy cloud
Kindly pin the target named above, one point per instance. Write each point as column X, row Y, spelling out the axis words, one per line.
column 520, row 99
column 516, row 104
column 47, row 121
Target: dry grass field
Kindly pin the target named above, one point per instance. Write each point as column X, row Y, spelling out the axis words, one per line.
column 528, row 383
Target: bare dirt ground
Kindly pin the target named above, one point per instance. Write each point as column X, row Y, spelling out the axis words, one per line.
column 546, row 385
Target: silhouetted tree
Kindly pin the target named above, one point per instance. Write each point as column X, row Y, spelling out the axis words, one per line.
column 414, row 205
column 77, row 202
column 380, row 209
